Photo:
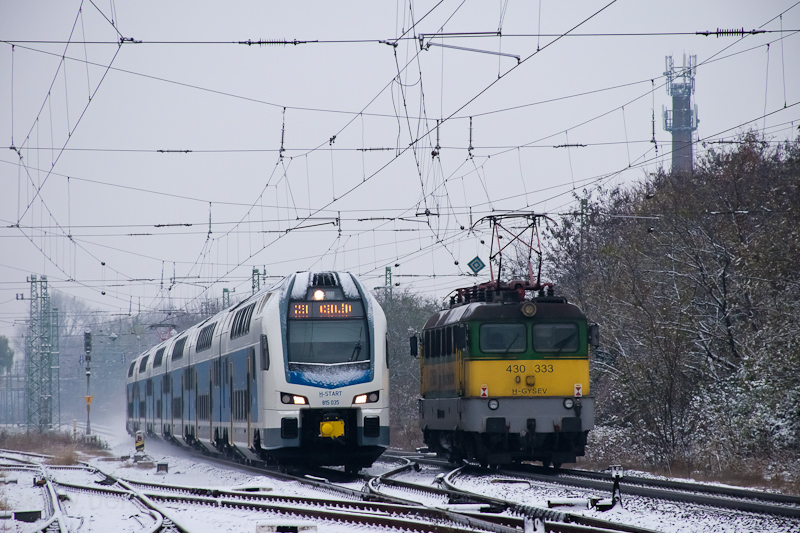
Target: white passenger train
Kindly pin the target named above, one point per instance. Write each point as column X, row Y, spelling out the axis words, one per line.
column 293, row 374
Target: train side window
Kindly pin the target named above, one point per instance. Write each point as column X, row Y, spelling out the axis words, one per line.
column 460, row 337
column 130, row 369
column 264, row 353
column 448, row 332
column 503, row 338
column 177, row 349
column 556, row 338
column 159, row 357
column 427, row 343
column 143, row 364
column 205, row 338
column 167, row 387
column 437, row 348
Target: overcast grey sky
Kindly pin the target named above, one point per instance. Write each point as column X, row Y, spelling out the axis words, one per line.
column 158, row 159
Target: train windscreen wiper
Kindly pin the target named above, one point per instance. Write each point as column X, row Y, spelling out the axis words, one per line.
column 356, row 348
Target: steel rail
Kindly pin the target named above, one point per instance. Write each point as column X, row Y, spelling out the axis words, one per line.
column 675, row 493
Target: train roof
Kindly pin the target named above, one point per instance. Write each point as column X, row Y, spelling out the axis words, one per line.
column 546, row 308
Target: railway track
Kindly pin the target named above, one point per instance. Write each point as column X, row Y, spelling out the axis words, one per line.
column 380, row 501
column 551, row 520
column 747, row 500
column 374, row 490
column 50, row 517
column 723, row 497
column 158, row 496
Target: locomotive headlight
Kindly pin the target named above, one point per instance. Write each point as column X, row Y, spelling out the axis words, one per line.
column 493, row 404
column 293, row 399
column 568, row 403
column 528, row 309
column 372, row 397
column 319, row 295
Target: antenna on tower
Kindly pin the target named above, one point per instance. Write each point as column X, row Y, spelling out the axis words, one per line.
column 682, row 119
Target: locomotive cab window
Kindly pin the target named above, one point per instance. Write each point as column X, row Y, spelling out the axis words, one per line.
column 328, row 342
column 328, row 332
column 556, row 338
column 503, row 338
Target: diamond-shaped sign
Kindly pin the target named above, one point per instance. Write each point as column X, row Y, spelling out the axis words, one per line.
column 476, row 265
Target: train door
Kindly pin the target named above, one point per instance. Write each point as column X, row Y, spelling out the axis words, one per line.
column 211, row 403
column 230, row 402
column 142, row 404
column 158, row 383
column 135, row 410
column 248, row 399
column 183, row 395
column 460, row 344
column 193, row 373
column 166, row 391
column 216, row 406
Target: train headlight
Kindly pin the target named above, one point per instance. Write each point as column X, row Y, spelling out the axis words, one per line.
column 569, row 403
column 319, row 295
column 493, row 404
column 293, row 399
column 371, row 397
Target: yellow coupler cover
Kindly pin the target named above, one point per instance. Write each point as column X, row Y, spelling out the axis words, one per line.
column 331, row 428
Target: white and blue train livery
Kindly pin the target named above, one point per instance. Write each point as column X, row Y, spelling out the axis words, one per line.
column 296, row 373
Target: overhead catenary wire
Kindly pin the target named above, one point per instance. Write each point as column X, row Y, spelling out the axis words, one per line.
column 627, row 145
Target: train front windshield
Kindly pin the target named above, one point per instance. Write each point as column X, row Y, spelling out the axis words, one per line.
column 328, row 333
column 328, row 341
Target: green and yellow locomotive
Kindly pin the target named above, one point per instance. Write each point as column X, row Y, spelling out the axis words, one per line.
column 505, row 377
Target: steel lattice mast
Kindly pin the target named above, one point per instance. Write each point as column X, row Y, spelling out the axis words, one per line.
column 39, row 358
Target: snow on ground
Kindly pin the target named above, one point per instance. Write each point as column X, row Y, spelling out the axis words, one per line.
column 90, row 511
column 22, row 495
column 87, row 512
column 667, row 517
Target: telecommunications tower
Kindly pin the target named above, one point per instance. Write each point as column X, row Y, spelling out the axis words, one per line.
column 681, row 120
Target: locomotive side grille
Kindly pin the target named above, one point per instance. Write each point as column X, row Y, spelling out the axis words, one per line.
column 325, row 279
column 372, row 426
column 289, row 428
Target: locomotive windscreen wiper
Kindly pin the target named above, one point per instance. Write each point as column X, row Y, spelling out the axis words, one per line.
column 563, row 342
column 356, row 348
column 512, row 343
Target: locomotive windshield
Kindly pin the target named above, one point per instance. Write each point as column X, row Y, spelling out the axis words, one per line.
column 503, row 338
column 328, row 342
column 558, row 338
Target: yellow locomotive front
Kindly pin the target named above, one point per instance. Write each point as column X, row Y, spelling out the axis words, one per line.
column 504, row 380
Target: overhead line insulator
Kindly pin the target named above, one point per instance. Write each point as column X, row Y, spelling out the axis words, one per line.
column 730, row 33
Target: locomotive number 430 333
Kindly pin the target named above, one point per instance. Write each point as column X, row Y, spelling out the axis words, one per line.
column 519, row 369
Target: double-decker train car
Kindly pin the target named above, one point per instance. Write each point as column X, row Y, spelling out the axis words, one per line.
column 505, row 378
column 296, row 373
